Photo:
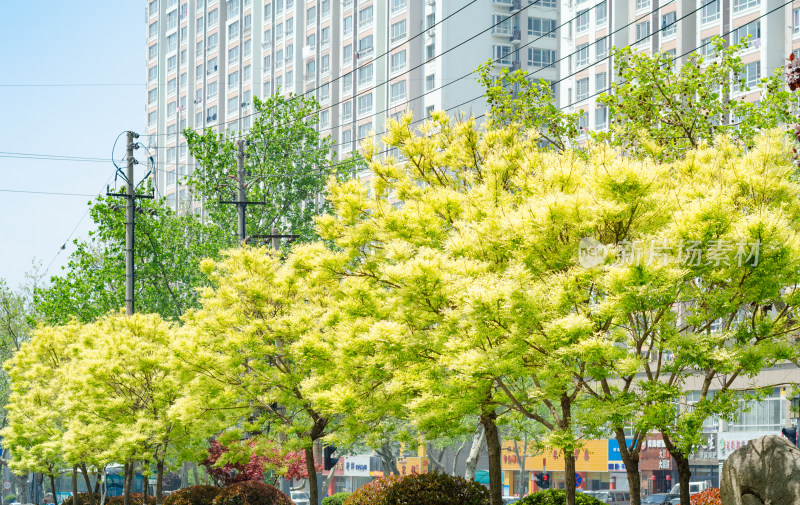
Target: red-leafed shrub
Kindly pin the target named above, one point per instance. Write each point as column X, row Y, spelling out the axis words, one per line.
column 373, row 492
column 251, row 493
column 136, row 499
column 710, row 496
column 436, row 489
column 193, row 495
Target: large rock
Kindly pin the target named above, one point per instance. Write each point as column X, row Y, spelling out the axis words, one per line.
column 766, row 471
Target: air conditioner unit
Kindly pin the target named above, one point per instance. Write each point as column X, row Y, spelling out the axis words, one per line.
column 431, row 32
column 430, row 2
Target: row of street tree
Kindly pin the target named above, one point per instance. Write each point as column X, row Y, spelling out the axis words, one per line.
column 498, row 274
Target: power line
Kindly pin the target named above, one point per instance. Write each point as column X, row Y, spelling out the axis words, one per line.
column 76, row 85
column 32, row 192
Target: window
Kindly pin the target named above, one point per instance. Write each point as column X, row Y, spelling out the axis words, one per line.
column 642, row 31
column 199, row 24
column 541, row 57
column 184, row 36
column 325, row 9
column 325, row 64
column 599, row 82
column 172, row 86
column 278, row 83
column 211, row 42
column 752, row 29
column 233, row 55
column 233, row 31
column 325, row 36
column 247, row 73
column 710, row 11
column 541, row 27
column 763, row 415
column 232, row 104
column 347, row 110
column 430, row 82
column 152, row 117
column 502, row 54
column 430, row 21
column 212, row 66
column 152, row 73
column 601, row 48
column 267, row 89
column 365, row 16
column 364, row 130
column 582, row 89
column 324, row 119
column 397, row 6
column 429, row 110
column 582, row 55
column 289, row 27
column 213, row 18
column 430, row 51
column 668, row 23
column 398, row 30
column 347, row 135
column 184, row 81
column 248, row 48
column 172, row 20
column 152, row 52
column 751, row 75
column 325, row 92
column 601, row 13
column 233, row 79
column 582, row 23
column 397, row 92
column 347, row 54
column 211, row 114
column 211, row 90
column 583, row 122
column 279, row 7
column 546, row 3
column 198, row 49
column 642, row 4
column 398, row 61
column 289, row 54
column 152, row 30
column 502, row 24
column 289, row 78
column 347, row 82
column 742, row 5
column 279, row 58
column 172, row 42
column 172, row 107
column 311, row 16
column 233, row 8
column 248, row 24
column 600, row 117
column 198, row 75
column 311, row 69
column 311, row 41
column 152, row 95
column 347, row 25
column 365, row 104
column 267, row 12
column 365, row 74
column 279, row 31
column 706, row 47
column 153, row 7
column 267, row 63
column 172, row 63
column 365, row 46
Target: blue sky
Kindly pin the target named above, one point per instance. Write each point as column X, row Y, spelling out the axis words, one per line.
column 49, row 42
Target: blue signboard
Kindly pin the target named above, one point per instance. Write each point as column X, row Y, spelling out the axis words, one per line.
column 613, row 450
column 577, row 480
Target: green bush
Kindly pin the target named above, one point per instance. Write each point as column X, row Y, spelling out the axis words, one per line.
column 193, row 495
column 251, row 493
column 136, row 499
column 11, row 497
column 83, row 499
column 373, row 492
column 557, row 497
column 436, row 489
column 336, row 499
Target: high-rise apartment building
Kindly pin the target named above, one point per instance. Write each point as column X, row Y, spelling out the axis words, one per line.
column 679, row 27
column 364, row 60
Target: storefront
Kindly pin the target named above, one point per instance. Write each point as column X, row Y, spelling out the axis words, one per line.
column 357, row 471
column 703, row 462
column 617, row 475
column 656, row 466
column 408, row 466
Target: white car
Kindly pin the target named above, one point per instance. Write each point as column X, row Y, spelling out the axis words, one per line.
column 300, row 498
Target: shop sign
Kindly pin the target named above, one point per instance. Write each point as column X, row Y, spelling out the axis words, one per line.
column 730, row 441
column 613, row 450
column 654, row 454
column 707, row 449
column 356, row 466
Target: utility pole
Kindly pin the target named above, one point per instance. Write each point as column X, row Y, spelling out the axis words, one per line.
column 130, row 221
column 241, row 206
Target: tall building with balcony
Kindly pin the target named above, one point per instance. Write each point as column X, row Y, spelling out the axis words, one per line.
column 678, row 27
column 364, row 60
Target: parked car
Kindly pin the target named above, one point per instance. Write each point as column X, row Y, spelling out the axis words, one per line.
column 300, row 498
column 661, row 498
column 614, row 497
column 694, row 487
column 507, row 500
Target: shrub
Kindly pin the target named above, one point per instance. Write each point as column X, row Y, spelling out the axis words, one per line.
column 136, row 499
column 251, row 493
column 710, row 496
column 557, row 497
column 336, row 499
column 83, row 499
column 373, row 492
column 436, row 489
column 193, row 495
column 11, row 497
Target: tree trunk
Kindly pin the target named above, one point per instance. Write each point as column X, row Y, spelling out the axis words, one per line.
column 126, row 486
column 478, row 439
column 456, row 454
column 145, row 482
column 53, row 488
column 569, row 476
column 312, row 477
column 159, row 480
column 328, row 479
column 684, row 472
column 495, row 457
column 88, row 482
column 388, row 460
column 437, row 462
column 184, row 473
column 75, row 485
column 194, row 472
column 631, row 461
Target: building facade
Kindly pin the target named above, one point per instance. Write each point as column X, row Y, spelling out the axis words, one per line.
column 364, row 60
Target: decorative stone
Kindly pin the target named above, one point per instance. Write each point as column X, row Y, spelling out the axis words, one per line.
column 766, row 471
